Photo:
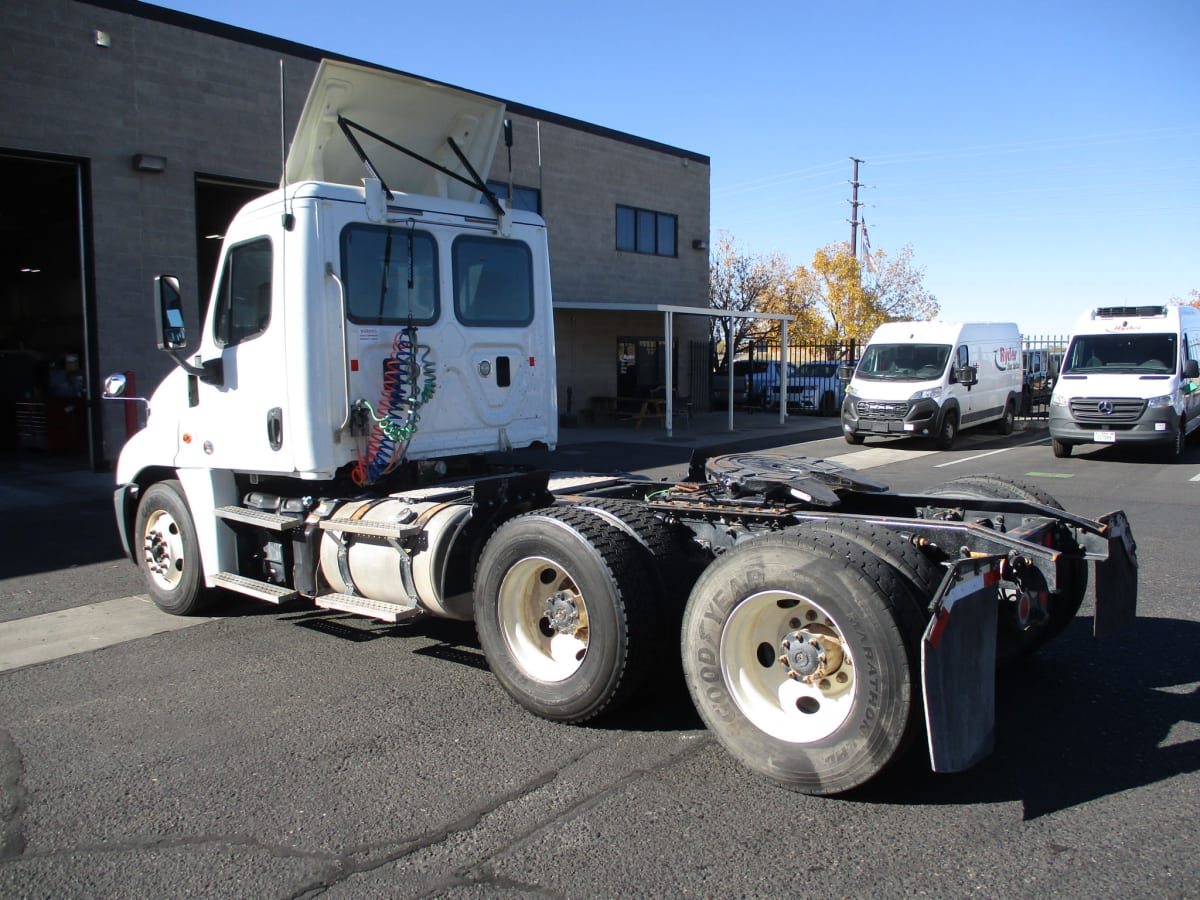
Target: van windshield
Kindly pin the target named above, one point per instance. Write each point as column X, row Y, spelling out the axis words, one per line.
column 903, row 362
column 1143, row 354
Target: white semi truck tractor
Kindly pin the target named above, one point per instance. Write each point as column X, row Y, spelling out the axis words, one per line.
column 375, row 329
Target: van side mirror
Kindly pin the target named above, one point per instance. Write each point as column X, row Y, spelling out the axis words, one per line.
column 845, row 373
column 1191, row 369
column 168, row 313
column 967, row 375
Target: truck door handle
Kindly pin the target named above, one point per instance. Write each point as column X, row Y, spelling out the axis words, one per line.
column 275, row 427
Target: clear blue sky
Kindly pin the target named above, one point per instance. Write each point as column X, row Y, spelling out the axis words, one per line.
column 1040, row 156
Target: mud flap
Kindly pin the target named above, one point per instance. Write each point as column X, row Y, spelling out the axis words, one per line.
column 958, row 665
column 1116, row 579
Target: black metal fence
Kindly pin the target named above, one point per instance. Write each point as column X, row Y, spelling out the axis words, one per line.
column 813, row 385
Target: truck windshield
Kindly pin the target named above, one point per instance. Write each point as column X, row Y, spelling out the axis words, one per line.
column 903, row 362
column 390, row 275
column 1144, row 354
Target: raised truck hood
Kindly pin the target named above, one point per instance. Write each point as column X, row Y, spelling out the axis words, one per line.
column 410, row 111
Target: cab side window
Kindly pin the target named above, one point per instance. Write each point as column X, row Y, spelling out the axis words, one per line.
column 244, row 295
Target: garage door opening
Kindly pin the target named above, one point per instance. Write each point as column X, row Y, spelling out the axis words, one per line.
column 43, row 341
column 217, row 201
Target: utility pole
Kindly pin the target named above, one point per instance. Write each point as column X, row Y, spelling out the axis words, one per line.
column 854, row 205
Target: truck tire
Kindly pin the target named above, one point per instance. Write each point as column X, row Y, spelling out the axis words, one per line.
column 784, row 607
column 947, row 430
column 1004, row 425
column 169, row 550
column 564, row 613
column 852, row 437
column 1061, row 448
column 1013, row 642
column 897, row 550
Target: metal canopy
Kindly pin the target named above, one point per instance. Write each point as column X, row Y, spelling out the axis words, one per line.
column 669, row 312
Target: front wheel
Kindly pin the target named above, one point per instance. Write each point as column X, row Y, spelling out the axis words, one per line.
column 1061, row 448
column 564, row 613
column 852, row 437
column 170, row 551
column 796, row 661
column 948, row 431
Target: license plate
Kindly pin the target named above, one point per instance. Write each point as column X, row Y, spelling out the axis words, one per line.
column 1105, row 437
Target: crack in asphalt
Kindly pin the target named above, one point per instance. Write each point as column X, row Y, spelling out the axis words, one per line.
column 350, row 861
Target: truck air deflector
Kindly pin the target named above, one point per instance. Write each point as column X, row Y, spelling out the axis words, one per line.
column 421, row 114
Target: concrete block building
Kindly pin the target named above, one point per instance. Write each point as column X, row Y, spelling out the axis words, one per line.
column 131, row 134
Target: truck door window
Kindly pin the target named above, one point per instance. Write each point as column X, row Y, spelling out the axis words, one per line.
column 493, row 282
column 244, row 295
column 390, row 275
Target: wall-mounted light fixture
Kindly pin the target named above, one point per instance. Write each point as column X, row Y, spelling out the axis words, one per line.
column 145, row 162
column 699, row 244
column 102, row 39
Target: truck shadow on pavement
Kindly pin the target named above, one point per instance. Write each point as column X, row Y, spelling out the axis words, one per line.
column 1078, row 722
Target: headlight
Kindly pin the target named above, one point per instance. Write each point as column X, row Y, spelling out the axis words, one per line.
column 851, row 391
column 1058, row 399
column 1161, row 402
column 930, row 394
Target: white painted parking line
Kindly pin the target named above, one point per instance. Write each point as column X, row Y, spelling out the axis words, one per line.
column 1194, row 478
column 955, row 462
column 66, row 632
column 876, row 456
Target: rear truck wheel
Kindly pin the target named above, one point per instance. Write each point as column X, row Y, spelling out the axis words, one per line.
column 169, row 550
column 564, row 613
column 1013, row 640
column 1061, row 448
column 947, row 431
column 1007, row 421
column 799, row 663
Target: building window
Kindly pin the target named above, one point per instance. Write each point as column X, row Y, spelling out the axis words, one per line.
column 646, row 231
column 526, row 198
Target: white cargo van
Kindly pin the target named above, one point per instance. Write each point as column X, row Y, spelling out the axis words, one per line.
column 1129, row 376
column 932, row 379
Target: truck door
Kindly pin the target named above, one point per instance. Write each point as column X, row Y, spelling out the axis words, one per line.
column 241, row 422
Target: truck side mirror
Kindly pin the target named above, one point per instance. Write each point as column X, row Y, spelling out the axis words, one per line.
column 845, row 373
column 168, row 313
column 967, row 375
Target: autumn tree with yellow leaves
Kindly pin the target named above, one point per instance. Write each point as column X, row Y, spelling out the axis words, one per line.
column 833, row 300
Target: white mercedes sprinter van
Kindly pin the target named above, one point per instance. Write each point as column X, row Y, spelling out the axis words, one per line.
column 932, row 379
column 1129, row 376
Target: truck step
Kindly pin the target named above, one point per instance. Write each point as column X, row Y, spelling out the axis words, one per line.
column 251, row 587
column 273, row 521
column 375, row 529
column 375, row 609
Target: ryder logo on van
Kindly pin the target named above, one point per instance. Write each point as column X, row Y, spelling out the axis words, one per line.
column 1007, row 358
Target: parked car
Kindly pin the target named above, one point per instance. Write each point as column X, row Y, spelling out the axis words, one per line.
column 755, row 383
column 813, row 387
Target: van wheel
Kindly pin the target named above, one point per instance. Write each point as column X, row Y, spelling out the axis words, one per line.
column 852, row 438
column 828, row 405
column 1005, row 425
column 1174, row 450
column 1061, row 448
column 948, row 432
